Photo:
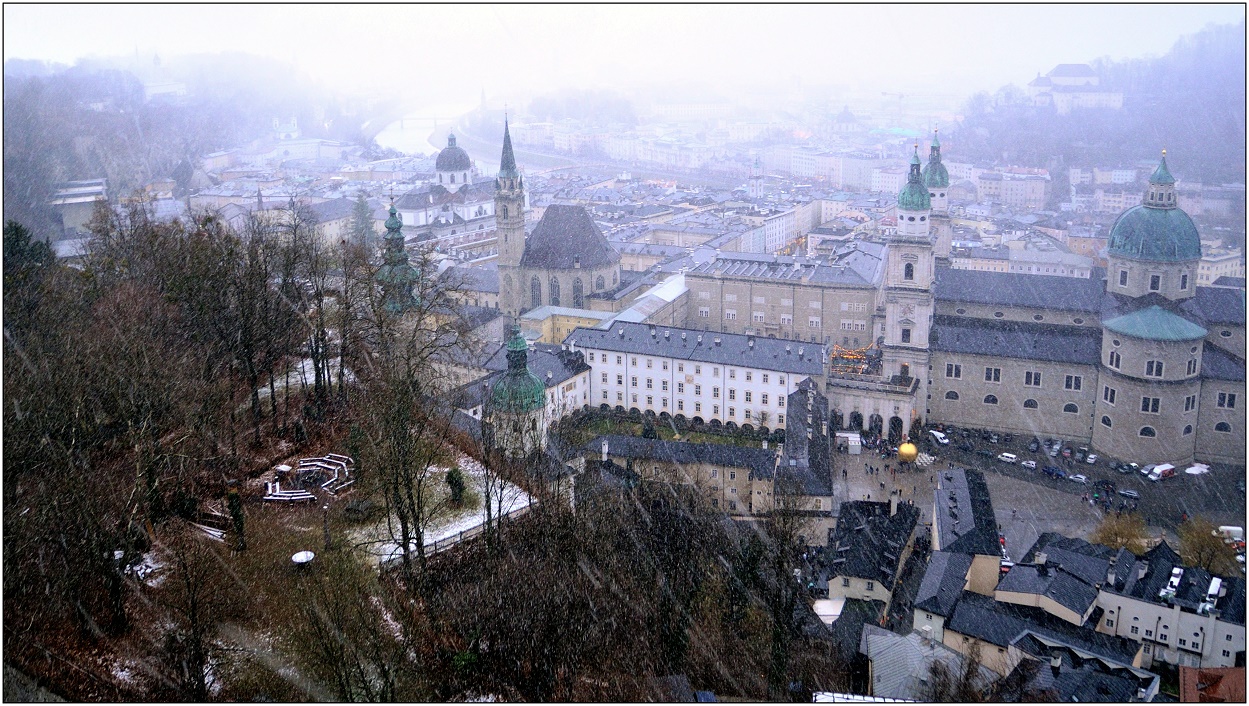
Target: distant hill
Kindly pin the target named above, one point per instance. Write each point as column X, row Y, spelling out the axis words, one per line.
column 1190, row 101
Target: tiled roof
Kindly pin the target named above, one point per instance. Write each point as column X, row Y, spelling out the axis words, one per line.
column 1053, row 582
column 1018, row 289
column 777, row 354
column 1217, row 305
column 965, row 522
column 1016, row 339
column 1001, row 624
column 943, row 582
column 565, row 238
column 868, row 542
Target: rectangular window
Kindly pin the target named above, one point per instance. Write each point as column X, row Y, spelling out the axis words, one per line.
column 730, row 315
column 715, row 410
column 1192, row 367
column 1032, row 379
column 604, row 378
column 871, row 585
column 1183, row 282
column 633, row 361
column 845, row 582
column 680, row 367
column 664, row 401
column 746, row 414
column 1149, row 405
column 1073, row 382
column 787, row 320
column 680, row 405
column 650, row 383
column 1123, row 278
column 732, row 393
column 650, row 362
column 953, row 370
column 763, row 398
column 730, row 297
column 1115, row 359
column 698, row 390
column 1190, row 403
column 704, row 312
column 715, row 372
column 680, row 388
column 698, row 407
column 634, row 397
column 906, row 335
column 1135, row 630
column 747, row 395
column 780, row 400
column 650, row 401
column 1227, row 653
column 665, row 365
column 732, row 504
column 814, row 304
column 765, row 378
column 732, row 373
column 617, row 360
column 781, row 379
column 1155, row 283
column 1149, row 633
column 750, row 376
column 663, row 385
column 704, row 295
column 635, row 381
column 1227, row 400
column 1153, row 368
column 715, row 393
column 992, row 374
column 757, row 317
column 620, row 397
column 1162, row 637
column 780, row 419
column 1110, row 623
column 732, row 475
column 1108, row 395
column 813, row 322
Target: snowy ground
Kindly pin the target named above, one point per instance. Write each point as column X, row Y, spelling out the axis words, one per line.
column 303, row 374
column 374, row 539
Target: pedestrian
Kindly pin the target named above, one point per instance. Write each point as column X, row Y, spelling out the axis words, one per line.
column 1014, row 512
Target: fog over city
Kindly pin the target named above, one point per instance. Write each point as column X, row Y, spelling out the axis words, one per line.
column 624, row 353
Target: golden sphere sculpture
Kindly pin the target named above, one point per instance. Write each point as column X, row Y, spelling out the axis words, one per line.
column 907, row 452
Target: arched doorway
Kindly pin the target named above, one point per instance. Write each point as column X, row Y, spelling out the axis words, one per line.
column 876, row 424
column 856, row 421
column 895, row 430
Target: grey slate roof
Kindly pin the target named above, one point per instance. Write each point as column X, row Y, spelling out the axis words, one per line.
column 1053, row 582
column 1001, row 624
column 965, row 522
column 567, row 236
column 543, row 360
column 333, row 210
column 1076, row 678
column 1018, row 289
column 1217, row 305
column 899, row 662
column 1016, row 339
column 943, row 582
column 478, row 279
column 792, row 357
column 760, row 462
column 868, row 542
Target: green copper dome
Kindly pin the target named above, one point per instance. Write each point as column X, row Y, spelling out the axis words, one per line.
column 1156, row 324
column 517, row 391
column 1160, row 234
column 914, row 195
column 935, row 174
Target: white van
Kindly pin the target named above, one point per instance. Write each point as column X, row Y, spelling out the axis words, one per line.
column 1230, row 533
column 1007, row 458
column 939, row 437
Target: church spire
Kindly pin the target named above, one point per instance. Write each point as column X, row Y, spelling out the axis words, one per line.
column 1161, row 193
column 397, row 275
column 507, row 165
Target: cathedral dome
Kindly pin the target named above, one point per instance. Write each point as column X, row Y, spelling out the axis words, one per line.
column 1157, row 229
column 453, row 158
column 914, row 195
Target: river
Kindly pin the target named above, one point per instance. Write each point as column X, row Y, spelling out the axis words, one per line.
column 422, row 131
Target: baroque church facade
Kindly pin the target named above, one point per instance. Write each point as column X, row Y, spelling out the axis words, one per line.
column 562, row 262
column 454, row 206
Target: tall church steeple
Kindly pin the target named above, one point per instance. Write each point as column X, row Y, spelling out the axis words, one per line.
column 509, row 216
column 397, row 276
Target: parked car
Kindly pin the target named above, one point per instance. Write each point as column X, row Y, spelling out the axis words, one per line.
column 1053, row 453
column 1129, row 493
column 1007, row 458
column 1128, row 468
column 1029, row 464
column 993, row 438
column 1090, row 459
column 1079, row 478
column 1161, row 471
column 1066, row 452
column 940, row 438
column 1054, row 471
column 1008, row 438
column 1147, row 469
column 1034, row 446
column 1105, row 485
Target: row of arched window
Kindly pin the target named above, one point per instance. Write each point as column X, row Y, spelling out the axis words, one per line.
column 578, row 294
column 1221, row 427
column 1027, row 404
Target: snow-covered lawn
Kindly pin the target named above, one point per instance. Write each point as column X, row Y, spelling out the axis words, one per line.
column 376, row 541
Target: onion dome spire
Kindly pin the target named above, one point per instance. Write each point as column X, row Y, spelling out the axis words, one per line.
column 518, row 390
column 397, row 276
column 1161, row 192
column 914, row 195
column 935, row 174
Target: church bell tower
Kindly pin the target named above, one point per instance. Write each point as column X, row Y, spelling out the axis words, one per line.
column 509, row 216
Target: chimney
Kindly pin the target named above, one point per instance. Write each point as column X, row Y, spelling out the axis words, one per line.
column 667, row 334
column 1041, row 557
column 1144, row 569
column 1056, row 662
column 765, row 443
column 717, row 341
column 893, row 505
column 926, row 634
column 787, row 349
column 604, row 449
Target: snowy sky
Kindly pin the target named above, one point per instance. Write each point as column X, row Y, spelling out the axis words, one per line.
column 462, row 49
